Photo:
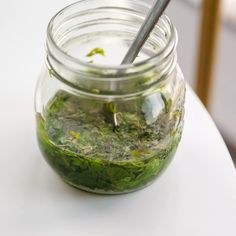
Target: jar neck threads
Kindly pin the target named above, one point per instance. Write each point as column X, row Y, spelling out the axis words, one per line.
column 85, row 20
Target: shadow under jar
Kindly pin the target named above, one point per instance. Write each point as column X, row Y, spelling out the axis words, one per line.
column 104, row 127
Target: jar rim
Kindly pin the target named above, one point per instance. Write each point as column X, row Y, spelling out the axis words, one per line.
column 164, row 52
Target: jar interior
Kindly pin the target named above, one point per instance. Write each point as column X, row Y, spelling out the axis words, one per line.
column 109, row 129
column 110, row 28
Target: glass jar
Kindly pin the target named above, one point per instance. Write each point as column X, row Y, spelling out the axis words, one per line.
column 104, row 127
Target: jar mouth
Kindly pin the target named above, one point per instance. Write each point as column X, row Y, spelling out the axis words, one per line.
column 57, row 51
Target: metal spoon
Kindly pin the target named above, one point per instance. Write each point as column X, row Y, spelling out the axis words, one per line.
column 145, row 30
column 143, row 34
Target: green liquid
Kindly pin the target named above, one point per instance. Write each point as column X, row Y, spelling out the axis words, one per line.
column 85, row 150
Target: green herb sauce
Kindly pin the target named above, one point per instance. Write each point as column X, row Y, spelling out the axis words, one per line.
column 86, row 151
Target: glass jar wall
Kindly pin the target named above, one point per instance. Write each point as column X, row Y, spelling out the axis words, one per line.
column 104, row 127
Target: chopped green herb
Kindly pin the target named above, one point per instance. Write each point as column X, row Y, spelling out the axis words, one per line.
column 50, row 72
column 96, row 91
column 110, row 107
column 96, row 51
column 74, row 134
column 167, row 102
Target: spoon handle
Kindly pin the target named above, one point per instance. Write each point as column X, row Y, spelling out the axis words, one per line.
column 146, row 28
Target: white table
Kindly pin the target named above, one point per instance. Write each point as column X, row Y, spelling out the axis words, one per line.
column 196, row 196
